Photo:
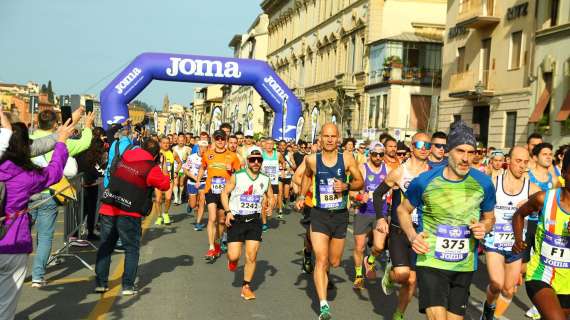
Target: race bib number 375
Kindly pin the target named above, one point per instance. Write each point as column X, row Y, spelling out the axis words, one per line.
column 555, row 251
column 452, row 243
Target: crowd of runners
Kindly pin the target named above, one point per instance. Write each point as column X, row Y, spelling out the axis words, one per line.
column 430, row 208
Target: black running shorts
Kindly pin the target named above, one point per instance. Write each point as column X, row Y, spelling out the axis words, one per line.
column 401, row 252
column 363, row 224
column 244, row 231
column 275, row 189
column 443, row 288
column 306, row 219
column 214, row 198
column 331, row 223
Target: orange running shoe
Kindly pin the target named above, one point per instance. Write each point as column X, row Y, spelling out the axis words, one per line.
column 246, row 293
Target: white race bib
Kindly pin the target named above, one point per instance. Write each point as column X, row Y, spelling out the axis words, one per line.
column 328, row 198
column 218, row 184
column 452, row 243
column 503, row 236
column 249, row 204
column 555, row 251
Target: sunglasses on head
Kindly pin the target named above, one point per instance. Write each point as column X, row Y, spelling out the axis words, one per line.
column 422, row 144
column 376, row 154
column 439, row 145
column 255, row 159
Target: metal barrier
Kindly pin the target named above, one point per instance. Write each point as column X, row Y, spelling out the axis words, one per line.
column 74, row 222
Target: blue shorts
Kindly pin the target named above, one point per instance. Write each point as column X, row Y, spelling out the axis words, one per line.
column 510, row 257
column 191, row 187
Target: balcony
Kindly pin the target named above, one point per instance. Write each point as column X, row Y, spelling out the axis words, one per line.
column 477, row 14
column 346, row 82
column 299, row 93
column 407, row 76
column 470, row 84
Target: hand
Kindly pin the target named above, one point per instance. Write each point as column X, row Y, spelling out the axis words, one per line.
column 65, row 131
column 339, row 186
column 382, row 225
column 478, row 229
column 419, row 245
column 90, row 120
column 519, row 246
column 229, row 218
column 364, row 197
column 5, row 121
column 300, row 204
column 77, row 114
column 197, row 185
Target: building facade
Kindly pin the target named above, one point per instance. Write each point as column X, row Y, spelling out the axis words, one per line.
column 551, row 72
column 206, row 109
column 243, row 106
column 487, row 54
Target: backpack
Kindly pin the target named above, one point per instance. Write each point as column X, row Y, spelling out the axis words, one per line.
column 118, row 156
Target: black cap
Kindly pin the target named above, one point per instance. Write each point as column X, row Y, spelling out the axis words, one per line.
column 219, row 133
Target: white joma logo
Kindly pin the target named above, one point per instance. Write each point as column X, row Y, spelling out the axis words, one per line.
column 276, row 87
column 204, row 68
column 127, row 80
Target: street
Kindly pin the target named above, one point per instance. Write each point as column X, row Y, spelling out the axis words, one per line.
column 175, row 282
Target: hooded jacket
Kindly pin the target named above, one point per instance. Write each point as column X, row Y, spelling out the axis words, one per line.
column 154, row 179
column 21, row 184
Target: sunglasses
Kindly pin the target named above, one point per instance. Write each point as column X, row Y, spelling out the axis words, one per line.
column 255, row 159
column 219, row 138
column 422, row 144
column 400, row 154
column 439, row 145
column 376, row 154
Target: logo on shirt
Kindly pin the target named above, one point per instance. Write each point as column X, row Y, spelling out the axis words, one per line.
column 339, row 172
column 210, row 156
column 560, row 242
column 370, row 178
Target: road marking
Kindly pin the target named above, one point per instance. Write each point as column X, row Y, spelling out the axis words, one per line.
column 108, row 298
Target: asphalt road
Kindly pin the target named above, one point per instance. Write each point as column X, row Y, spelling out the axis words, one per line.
column 175, row 282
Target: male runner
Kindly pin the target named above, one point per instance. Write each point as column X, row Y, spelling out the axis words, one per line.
column 327, row 172
column 374, row 173
column 219, row 163
column 305, row 221
column 437, row 156
column 451, row 200
column 286, row 171
column 183, row 151
column 168, row 160
column 548, row 274
column 504, row 267
column 402, row 269
column 196, row 195
column 390, row 155
column 495, row 166
column 532, row 140
column 233, row 147
column 272, row 160
column 247, row 187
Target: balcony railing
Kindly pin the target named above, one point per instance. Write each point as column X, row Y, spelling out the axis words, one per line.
column 472, row 82
column 477, row 14
column 409, row 75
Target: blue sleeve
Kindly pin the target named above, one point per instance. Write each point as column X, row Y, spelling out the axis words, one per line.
column 415, row 191
column 489, row 197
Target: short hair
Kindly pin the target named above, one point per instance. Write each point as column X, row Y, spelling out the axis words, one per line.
column 204, row 133
column 536, row 150
column 47, row 119
column 232, row 136
column 390, row 138
column 384, row 136
column 534, row 135
column 226, row 126
column 238, row 133
column 151, row 146
column 439, row 135
column 347, row 140
column 566, row 161
column 282, row 141
column 560, row 152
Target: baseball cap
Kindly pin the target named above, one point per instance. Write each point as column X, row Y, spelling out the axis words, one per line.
column 375, row 144
column 255, row 150
column 203, row 143
column 219, row 133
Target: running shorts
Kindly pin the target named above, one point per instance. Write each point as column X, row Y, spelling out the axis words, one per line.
column 275, row 189
column 244, row 228
column 443, row 288
column 509, row 256
column 363, row 224
column 534, row 286
column 285, row 180
column 191, row 187
column 214, row 198
column 306, row 219
column 400, row 249
column 331, row 223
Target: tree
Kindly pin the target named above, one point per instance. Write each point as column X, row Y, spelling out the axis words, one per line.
column 50, row 92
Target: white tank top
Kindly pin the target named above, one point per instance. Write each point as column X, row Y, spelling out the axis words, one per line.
column 270, row 166
column 404, row 183
column 501, row 236
column 248, row 193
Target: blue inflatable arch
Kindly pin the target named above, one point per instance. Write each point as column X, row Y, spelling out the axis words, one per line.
column 202, row 69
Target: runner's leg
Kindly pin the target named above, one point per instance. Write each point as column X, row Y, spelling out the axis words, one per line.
column 234, row 251
column 496, row 270
column 251, row 249
column 358, row 253
column 546, row 301
column 512, row 272
column 320, row 243
column 212, row 224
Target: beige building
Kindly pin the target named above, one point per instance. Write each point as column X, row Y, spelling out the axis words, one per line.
column 206, row 109
column 551, row 72
column 243, row 106
column 487, row 54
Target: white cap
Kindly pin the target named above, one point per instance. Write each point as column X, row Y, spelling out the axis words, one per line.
column 253, row 149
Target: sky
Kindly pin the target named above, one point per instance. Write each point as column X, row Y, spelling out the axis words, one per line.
column 81, row 45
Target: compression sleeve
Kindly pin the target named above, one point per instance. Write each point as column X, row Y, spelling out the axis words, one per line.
column 377, row 200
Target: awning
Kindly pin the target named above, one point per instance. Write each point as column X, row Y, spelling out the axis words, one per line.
column 541, row 104
column 565, row 109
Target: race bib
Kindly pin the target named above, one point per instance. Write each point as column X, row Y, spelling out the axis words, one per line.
column 271, row 171
column 218, row 184
column 452, row 243
column 168, row 166
column 249, row 204
column 503, row 236
column 555, row 251
column 415, row 217
column 328, row 198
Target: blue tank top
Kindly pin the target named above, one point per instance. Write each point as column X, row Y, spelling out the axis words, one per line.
column 371, row 181
column 324, row 196
column 543, row 185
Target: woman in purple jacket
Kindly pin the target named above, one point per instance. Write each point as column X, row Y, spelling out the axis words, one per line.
column 22, row 179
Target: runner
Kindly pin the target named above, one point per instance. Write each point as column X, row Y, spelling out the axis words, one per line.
column 219, row 163
column 548, row 274
column 531, row 142
column 450, row 200
column 327, row 172
column 305, row 221
column 504, row 267
column 272, row 160
column 402, row 268
column 233, row 147
column 437, row 156
column 247, row 187
column 196, row 195
column 183, row 151
column 364, row 226
column 495, row 166
column 390, row 155
column 286, row 173
column 168, row 160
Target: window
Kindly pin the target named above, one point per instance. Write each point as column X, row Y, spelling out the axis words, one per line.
column 302, row 73
column 554, row 4
column 352, row 53
column 511, row 129
column 461, row 60
column 385, row 111
column 371, row 109
column 516, row 50
column 456, row 117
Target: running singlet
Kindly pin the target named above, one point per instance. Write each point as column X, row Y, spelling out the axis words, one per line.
column 404, row 184
column 248, row 193
column 168, row 161
column 502, row 236
column 446, row 209
column 216, row 164
column 182, row 153
column 193, row 165
column 550, row 262
column 543, row 185
column 270, row 166
column 324, row 196
column 371, row 181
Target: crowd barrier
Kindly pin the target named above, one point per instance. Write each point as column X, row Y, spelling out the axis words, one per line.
column 74, row 225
